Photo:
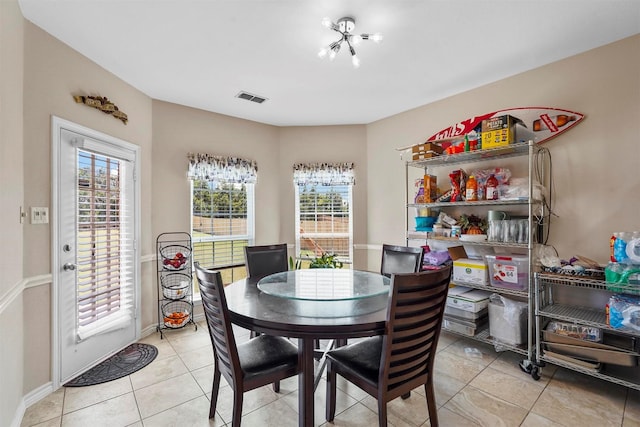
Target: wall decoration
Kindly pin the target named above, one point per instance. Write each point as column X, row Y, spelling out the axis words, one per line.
column 103, row 104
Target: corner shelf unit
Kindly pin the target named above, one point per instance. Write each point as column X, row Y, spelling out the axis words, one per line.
column 527, row 149
column 547, row 309
column 174, row 274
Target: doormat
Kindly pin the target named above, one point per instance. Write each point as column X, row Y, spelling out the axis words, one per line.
column 123, row 363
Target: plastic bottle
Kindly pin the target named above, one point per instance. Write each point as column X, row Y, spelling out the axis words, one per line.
column 620, row 247
column 472, row 189
column 612, row 241
column 491, row 188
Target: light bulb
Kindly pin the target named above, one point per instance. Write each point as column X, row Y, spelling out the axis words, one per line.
column 377, row 37
column 326, row 22
column 323, row 52
column 332, row 55
column 356, row 40
column 355, row 61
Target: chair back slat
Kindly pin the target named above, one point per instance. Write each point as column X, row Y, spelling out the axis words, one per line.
column 414, row 320
column 220, row 331
column 400, row 259
column 262, row 261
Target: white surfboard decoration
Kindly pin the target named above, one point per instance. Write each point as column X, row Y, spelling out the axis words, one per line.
column 544, row 122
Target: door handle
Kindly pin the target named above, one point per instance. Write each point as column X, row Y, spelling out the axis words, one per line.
column 69, row 267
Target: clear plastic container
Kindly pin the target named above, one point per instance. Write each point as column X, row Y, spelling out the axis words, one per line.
column 508, row 271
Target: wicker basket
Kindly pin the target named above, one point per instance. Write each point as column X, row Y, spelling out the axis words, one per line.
column 175, row 257
column 175, row 285
column 176, row 314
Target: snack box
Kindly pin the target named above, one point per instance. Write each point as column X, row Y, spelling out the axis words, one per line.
column 509, row 271
column 426, row 150
column 471, row 271
column 504, row 130
column 430, row 183
column 467, row 299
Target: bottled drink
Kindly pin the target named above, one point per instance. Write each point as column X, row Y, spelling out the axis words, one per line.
column 560, row 120
column 612, row 242
column 472, row 189
column 491, row 188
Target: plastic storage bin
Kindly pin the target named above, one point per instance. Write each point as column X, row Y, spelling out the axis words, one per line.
column 508, row 271
column 507, row 320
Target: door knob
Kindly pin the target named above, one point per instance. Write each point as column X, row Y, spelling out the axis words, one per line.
column 69, row 267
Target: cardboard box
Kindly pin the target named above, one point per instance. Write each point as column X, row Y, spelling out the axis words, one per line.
column 466, row 270
column 468, row 299
column 500, row 131
column 426, row 150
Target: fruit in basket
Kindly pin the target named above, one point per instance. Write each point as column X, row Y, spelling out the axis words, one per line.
column 176, row 262
column 474, row 229
column 176, row 318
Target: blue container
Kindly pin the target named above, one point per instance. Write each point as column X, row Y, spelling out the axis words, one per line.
column 424, row 223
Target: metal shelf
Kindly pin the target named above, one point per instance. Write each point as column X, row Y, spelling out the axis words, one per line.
column 469, row 204
column 602, row 376
column 424, row 235
column 484, row 336
column 493, row 289
column 511, row 150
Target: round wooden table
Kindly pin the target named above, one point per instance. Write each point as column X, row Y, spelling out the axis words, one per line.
column 307, row 319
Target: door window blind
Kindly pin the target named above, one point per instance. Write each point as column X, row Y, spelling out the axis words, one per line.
column 105, row 251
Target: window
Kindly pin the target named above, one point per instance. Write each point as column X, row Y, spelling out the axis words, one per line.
column 324, row 222
column 222, row 213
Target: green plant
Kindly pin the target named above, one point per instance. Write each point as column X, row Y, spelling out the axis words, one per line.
column 295, row 265
column 326, row 260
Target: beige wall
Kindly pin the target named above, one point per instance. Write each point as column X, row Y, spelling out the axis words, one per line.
column 52, row 73
column 323, row 144
column 11, row 196
column 594, row 165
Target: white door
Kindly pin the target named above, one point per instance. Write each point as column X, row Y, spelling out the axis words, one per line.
column 95, row 258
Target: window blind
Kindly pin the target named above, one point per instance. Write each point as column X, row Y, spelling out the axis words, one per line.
column 105, row 239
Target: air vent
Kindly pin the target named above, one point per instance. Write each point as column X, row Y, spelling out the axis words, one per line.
column 250, row 97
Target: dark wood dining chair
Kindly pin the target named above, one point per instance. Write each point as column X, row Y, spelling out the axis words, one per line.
column 400, row 259
column 395, row 363
column 260, row 361
column 262, row 261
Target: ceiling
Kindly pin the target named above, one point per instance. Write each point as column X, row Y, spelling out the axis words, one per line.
column 202, row 53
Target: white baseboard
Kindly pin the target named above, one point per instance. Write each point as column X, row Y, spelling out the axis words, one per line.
column 29, row 399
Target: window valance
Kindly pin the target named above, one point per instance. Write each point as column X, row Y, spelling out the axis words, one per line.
column 222, row 169
column 323, row 174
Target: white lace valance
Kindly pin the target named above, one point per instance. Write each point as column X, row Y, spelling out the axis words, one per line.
column 222, row 169
column 323, row 174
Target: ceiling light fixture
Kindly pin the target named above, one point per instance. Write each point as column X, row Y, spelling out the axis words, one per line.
column 345, row 27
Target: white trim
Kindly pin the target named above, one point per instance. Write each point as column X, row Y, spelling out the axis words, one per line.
column 57, row 125
column 18, row 415
column 32, row 282
column 148, row 258
column 11, row 295
column 367, row 247
column 31, row 398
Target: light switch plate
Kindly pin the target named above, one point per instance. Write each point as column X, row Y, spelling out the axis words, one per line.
column 39, row 215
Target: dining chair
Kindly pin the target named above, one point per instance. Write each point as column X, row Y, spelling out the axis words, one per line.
column 262, row 261
column 400, row 259
column 260, row 361
column 393, row 364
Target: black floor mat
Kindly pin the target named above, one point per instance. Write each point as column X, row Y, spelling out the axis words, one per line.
column 123, row 363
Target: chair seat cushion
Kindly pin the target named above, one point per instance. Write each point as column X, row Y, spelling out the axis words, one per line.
column 266, row 353
column 361, row 358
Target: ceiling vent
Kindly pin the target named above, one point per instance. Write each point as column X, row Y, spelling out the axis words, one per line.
column 250, row 97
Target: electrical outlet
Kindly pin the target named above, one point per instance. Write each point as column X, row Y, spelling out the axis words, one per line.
column 39, row 215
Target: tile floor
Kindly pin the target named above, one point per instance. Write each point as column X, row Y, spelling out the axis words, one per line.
column 484, row 388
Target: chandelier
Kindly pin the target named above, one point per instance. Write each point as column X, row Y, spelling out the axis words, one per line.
column 345, row 27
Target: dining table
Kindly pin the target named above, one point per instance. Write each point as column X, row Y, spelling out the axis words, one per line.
column 309, row 305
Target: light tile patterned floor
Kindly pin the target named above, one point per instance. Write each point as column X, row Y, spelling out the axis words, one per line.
column 473, row 388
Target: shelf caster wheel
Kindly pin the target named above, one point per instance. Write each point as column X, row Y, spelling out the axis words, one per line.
column 526, row 366
column 535, row 373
